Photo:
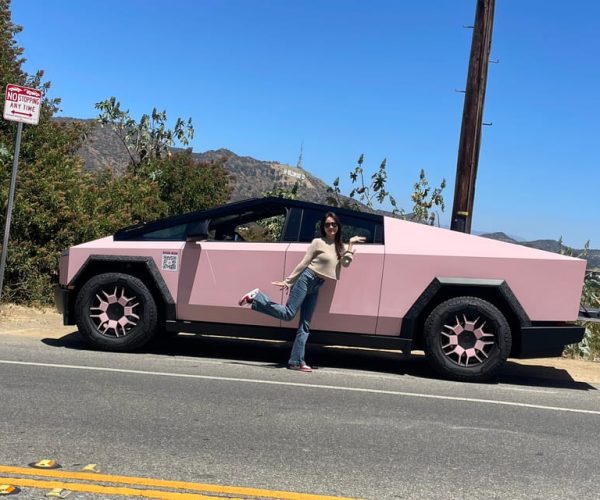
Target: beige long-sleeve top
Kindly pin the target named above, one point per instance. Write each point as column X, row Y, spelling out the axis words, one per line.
column 322, row 259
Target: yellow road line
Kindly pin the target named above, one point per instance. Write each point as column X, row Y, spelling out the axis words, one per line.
column 106, row 490
column 162, row 483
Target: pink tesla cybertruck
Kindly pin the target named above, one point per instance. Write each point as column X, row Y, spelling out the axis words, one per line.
column 467, row 301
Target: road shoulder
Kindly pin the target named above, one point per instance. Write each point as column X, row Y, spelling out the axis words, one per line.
column 46, row 323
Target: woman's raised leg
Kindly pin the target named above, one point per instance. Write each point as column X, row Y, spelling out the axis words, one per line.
column 262, row 303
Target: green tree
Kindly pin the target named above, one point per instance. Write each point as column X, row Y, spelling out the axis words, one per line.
column 271, row 228
column 116, row 201
column 11, row 55
column 424, row 200
column 147, row 139
column 291, row 193
column 368, row 193
column 186, row 184
column 48, row 211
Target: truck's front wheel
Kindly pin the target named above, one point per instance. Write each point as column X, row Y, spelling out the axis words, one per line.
column 116, row 312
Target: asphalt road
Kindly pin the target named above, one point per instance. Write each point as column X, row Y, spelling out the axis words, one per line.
column 366, row 424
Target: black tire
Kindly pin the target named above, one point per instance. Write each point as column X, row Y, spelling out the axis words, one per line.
column 467, row 338
column 130, row 317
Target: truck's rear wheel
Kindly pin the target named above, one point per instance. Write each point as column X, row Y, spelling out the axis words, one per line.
column 467, row 338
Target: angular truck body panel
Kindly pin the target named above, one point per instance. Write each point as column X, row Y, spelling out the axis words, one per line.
column 171, row 251
column 548, row 286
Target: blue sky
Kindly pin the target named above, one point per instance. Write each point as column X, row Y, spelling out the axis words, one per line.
column 347, row 77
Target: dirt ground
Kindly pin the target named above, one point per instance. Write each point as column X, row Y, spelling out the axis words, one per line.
column 18, row 320
column 47, row 323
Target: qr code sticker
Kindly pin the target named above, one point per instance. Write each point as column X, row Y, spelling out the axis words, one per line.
column 169, row 262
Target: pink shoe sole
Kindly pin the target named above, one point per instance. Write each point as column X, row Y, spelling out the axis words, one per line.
column 247, row 298
column 300, row 368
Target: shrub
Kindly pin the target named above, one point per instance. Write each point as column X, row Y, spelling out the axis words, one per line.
column 589, row 347
column 186, row 184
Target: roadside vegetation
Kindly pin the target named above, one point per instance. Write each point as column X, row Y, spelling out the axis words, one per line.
column 589, row 347
column 373, row 194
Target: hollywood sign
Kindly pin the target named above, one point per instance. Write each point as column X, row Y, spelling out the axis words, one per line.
column 296, row 175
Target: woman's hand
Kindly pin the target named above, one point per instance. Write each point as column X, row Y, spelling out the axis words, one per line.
column 282, row 285
column 354, row 240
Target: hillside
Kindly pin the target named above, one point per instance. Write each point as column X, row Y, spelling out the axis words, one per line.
column 251, row 178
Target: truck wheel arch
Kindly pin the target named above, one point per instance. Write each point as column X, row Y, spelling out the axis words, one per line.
column 495, row 291
column 143, row 268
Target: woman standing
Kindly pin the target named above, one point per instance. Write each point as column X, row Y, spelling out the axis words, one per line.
column 322, row 261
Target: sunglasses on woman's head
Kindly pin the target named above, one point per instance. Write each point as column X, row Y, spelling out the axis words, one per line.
column 331, row 224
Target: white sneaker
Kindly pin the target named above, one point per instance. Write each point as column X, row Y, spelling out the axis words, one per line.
column 248, row 297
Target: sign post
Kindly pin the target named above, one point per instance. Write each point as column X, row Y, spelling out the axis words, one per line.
column 22, row 105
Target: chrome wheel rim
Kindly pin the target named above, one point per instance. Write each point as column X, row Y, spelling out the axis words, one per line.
column 114, row 313
column 467, row 342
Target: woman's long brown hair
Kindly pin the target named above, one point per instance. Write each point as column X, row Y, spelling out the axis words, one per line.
column 339, row 246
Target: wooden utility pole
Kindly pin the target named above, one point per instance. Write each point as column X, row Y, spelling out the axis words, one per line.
column 470, row 133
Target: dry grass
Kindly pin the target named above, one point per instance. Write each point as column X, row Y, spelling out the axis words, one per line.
column 12, row 313
column 32, row 321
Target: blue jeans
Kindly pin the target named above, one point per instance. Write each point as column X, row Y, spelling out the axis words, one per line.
column 303, row 296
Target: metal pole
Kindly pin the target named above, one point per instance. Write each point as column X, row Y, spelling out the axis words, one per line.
column 470, row 133
column 11, row 198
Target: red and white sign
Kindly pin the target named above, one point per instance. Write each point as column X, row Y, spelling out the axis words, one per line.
column 22, row 104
